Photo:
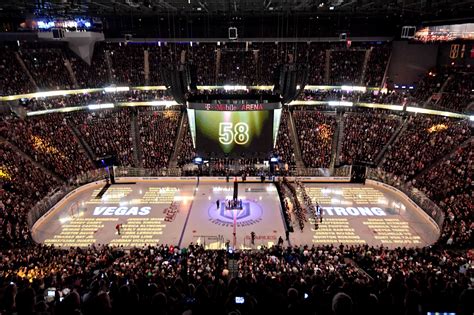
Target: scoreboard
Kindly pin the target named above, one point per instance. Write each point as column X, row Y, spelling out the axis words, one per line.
column 234, row 130
column 458, row 53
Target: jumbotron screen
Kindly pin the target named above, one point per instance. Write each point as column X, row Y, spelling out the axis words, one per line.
column 233, row 133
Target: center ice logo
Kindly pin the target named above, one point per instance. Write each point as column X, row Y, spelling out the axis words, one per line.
column 250, row 213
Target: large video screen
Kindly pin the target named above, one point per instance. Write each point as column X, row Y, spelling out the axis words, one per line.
column 234, row 133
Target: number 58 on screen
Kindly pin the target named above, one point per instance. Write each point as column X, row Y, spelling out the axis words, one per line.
column 238, row 133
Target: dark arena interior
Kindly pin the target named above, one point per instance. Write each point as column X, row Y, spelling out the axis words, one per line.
column 187, row 157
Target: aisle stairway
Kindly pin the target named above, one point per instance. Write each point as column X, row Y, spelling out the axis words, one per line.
column 146, row 66
column 135, row 135
column 335, row 144
column 380, row 158
column 327, row 67
column 25, row 69
column 110, row 71
column 428, row 102
column 364, row 66
column 340, row 138
column 440, row 91
column 173, row 164
column 295, row 142
column 218, row 63
column 385, row 74
column 443, row 158
column 31, row 160
column 72, row 76
column 84, row 147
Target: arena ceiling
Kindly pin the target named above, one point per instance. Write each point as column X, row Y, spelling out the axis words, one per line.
column 234, row 7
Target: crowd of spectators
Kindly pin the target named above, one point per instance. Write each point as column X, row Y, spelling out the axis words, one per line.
column 158, row 131
column 13, row 80
column 346, row 66
column 426, row 139
column 315, row 133
column 317, row 53
column 47, row 66
column 428, row 85
column 396, row 97
column 238, row 65
column 22, row 186
column 270, row 55
column 164, row 54
column 49, row 141
column 251, row 64
column 94, row 75
column 284, row 147
column 128, row 63
column 156, row 55
column 202, row 56
column 450, row 184
column 163, row 279
column 107, row 132
column 328, row 95
column 365, row 135
column 456, row 96
column 376, row 65
column 458, row 93
column 186, row 150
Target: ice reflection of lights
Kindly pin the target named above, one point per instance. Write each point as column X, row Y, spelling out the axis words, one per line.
column 270, row 188
column 209, row 198
column 325, row 191
column 65, row 219
column 183, row 199
column 260, row 198
column 167, row 189
column 382, row 201
column 398, row 205
column 335, row 201
column 229, row 197
column 219, row 188
column 123, row 203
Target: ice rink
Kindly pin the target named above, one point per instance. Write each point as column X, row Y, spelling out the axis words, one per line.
column 178, row 212
column 371, row 214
